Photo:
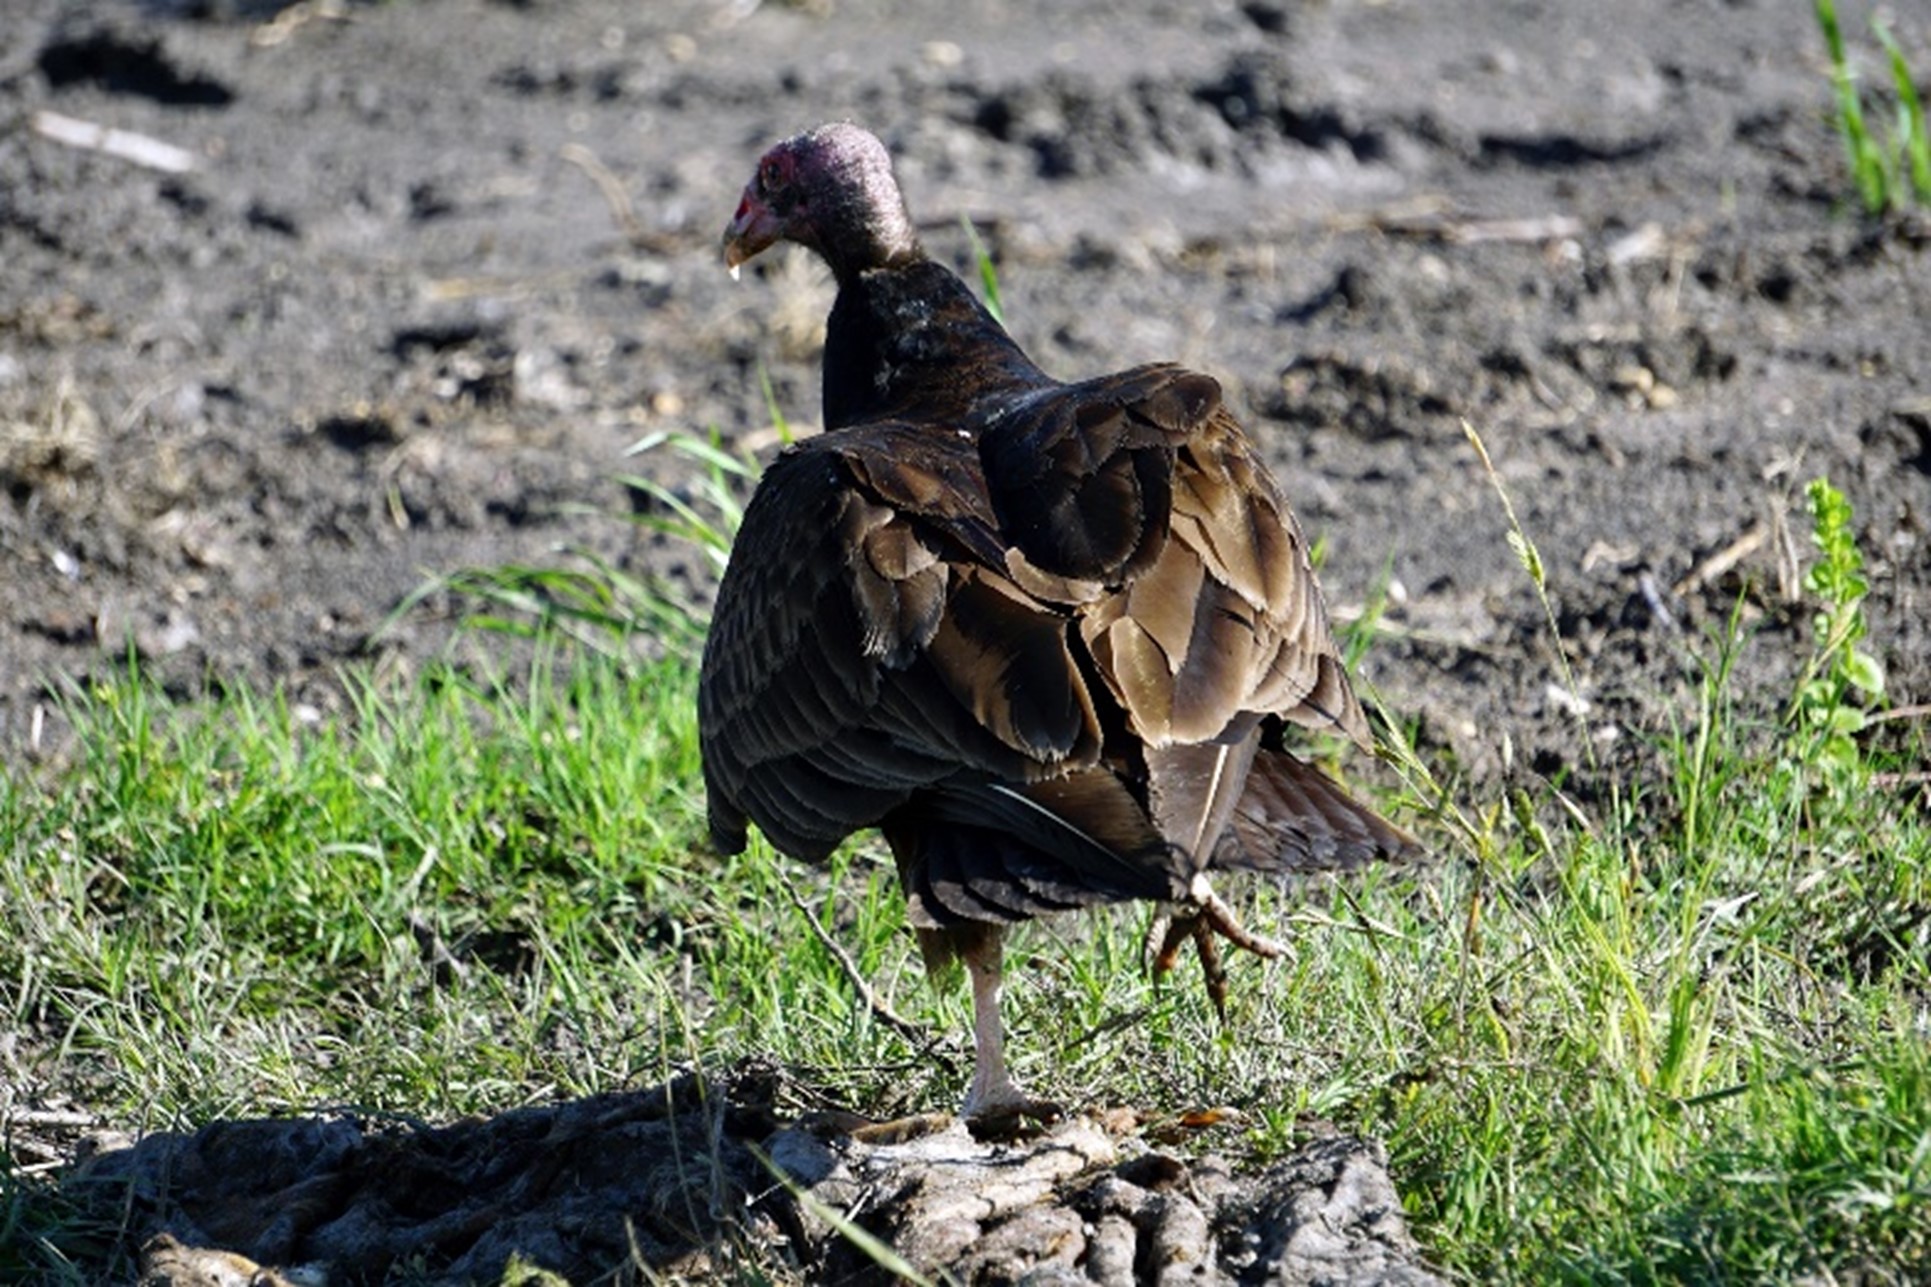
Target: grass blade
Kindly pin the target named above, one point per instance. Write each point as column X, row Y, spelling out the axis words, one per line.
column 988, row 273
column 1866, row 158
column 1913, row 139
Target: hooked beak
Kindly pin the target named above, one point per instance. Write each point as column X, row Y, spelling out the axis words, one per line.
column 751, row 229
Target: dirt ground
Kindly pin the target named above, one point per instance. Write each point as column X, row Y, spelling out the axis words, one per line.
column 432, row 266
column 437, row 264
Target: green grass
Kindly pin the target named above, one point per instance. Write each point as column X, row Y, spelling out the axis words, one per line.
column 1890, row 168
column 988, row 271
column 1685, row 1039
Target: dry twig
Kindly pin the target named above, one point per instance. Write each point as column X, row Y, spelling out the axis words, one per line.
column 613, row 192
column 1723, row 560
column 878, row 1005
column 124, row 145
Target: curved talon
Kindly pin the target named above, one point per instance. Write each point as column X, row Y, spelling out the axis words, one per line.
column 1214, row 910
column 1169, row 931
column 1211, row 968
column 1205, row 915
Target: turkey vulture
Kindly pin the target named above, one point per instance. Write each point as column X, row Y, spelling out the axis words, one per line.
column 1045, row 636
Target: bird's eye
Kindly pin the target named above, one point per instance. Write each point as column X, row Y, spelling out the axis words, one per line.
column 771, row 175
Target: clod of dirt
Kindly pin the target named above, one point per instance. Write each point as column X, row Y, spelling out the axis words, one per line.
column 698, row 1175
column 1374, row 399
column 125, row 62
column 1240, row 119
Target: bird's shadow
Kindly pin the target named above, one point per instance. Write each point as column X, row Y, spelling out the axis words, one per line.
column 666, row 1178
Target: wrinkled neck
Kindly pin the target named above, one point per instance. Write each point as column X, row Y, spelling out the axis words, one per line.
column 910, row 340
column 866, row 227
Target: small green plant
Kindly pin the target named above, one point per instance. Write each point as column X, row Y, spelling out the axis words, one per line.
column 1531, row 560
column 988, row 273
column 597, row 603
column 1888, row 175
column 1840, row 679
column 707, row 512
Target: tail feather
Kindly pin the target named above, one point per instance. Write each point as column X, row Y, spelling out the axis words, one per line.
column 995, row 852
column 1294, row 818
column 1193, row 791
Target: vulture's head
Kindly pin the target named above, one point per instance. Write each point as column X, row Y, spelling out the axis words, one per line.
column 830, row 190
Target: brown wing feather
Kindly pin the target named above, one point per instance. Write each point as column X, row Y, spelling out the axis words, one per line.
column 1042, row 654
column 1230, row 514
column 1011, row 664
column 1081, row 475
column 862, row 650
column 1219, row 633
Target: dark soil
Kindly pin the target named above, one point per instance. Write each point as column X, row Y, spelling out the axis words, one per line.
column 389, row 325
column 438, row 263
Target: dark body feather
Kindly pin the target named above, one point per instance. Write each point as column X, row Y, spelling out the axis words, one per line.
column 1046, row 636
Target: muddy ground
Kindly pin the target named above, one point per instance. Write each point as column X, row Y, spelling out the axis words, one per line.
column 421, row 272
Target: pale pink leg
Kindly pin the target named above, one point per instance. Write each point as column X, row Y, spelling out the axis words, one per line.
column 994, row 1094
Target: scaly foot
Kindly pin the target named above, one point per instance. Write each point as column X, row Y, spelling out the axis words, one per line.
column 1010, row 1114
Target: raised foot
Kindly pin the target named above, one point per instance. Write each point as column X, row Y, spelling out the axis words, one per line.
column 1209, row 915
